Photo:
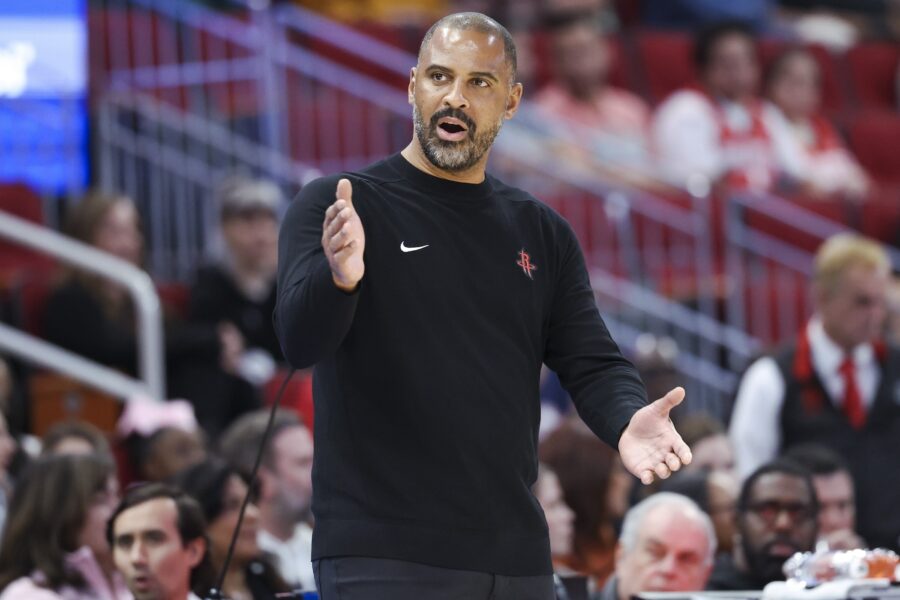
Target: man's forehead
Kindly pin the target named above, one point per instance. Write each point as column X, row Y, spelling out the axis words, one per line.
column 780, row 486
column 157, row 514
column 465, row 50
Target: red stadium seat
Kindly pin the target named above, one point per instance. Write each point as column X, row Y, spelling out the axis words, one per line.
column 873, row 72
column 874, row 139
column 667, row 62
column 19, row 200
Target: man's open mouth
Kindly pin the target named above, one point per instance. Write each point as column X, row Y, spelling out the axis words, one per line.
column 451, row 130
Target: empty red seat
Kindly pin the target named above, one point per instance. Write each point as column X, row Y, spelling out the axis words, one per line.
column 18, row 199
column 667, row 62
column 873, row 72
column 875, row 138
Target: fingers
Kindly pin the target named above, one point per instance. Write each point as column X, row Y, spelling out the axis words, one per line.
column 338, row 226
column 670, row 400
column 683, row 452
column 345, row 191
column 647, row 477
column 673, row 462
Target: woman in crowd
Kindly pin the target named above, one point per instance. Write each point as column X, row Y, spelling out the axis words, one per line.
column 54, row 545
column 94, row 316
column 585, row 467
column 793, row 85
column 220, row 491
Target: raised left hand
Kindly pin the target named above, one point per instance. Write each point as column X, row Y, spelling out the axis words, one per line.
column 650, row 445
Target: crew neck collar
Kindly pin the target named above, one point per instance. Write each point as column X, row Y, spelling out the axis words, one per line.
column 455, row 190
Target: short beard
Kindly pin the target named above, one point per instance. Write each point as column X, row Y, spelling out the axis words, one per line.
column 453, row 156
column 763, row 567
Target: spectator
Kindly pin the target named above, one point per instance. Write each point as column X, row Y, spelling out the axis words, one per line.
column 609, row 121
column 560, row 518
column 776, row 517
column 54, row 547
column 93, row 316
column 793, row 85
column 722, row 134
column 584, row 466
column 75, row 437
column 834, row 491
column 709, row 444
column 221, row 491
column 285, row 488
column 834, row 385
column 667, row 545
column 716, row 495
column 240, row 288
column 158, row 537
column 7, row 453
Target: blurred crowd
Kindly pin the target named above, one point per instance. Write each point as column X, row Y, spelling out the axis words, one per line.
column 110, row 514
column 146, row 508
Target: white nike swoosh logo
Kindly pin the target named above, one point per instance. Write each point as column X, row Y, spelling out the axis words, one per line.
column 406, row 248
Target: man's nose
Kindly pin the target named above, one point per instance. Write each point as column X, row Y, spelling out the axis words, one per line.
column 668, row 565
column 455, row 97
column 783, row 521
column 138, row 554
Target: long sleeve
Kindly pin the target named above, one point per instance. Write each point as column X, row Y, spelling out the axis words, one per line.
column 312, row 316
column 604, row 385
column 755, row 431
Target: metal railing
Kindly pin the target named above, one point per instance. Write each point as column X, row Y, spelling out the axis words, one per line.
column 151, row 365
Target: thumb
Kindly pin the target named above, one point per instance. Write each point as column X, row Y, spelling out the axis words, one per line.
column 345, row 191
column 670, row 400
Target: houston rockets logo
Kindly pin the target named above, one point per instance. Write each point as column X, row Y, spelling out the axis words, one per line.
column 526, row 264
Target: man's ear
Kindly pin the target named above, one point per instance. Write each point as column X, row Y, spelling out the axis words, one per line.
column 411, row 90
column 513, row 100
column 196, row 548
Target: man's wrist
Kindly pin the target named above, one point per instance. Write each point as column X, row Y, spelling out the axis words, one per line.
column 344, row 287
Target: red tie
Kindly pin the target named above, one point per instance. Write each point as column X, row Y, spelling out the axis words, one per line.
column 853, row 406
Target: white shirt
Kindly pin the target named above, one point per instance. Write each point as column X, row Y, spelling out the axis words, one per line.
column 756, row 422
column 686, row 138
column 293, row 557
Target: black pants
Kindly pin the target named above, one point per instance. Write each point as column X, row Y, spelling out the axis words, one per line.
column 358, row 578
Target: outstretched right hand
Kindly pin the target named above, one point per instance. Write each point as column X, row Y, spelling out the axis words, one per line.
column 343, row 239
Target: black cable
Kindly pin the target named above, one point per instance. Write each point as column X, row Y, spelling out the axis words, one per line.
column 216, row 592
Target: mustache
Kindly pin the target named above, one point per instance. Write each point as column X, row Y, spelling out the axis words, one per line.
column 453, row 113
column 779, row 540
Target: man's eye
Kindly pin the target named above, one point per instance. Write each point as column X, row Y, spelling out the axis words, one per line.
column 438, row 76
column 479, row 82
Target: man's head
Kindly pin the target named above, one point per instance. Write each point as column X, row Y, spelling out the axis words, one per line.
column 850, row 287
column 777, row 511
column 249, row 217
column 158, row 541
column 667, row 545
column 285, row 479
column 726, row 60
column 833, row 483
column 462, row 89
column 582, row 57
column 168, row 451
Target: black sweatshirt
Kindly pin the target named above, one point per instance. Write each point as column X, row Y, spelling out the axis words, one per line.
column 426, row 377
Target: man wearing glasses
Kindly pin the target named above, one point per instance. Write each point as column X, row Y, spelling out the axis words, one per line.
column 776, row 517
